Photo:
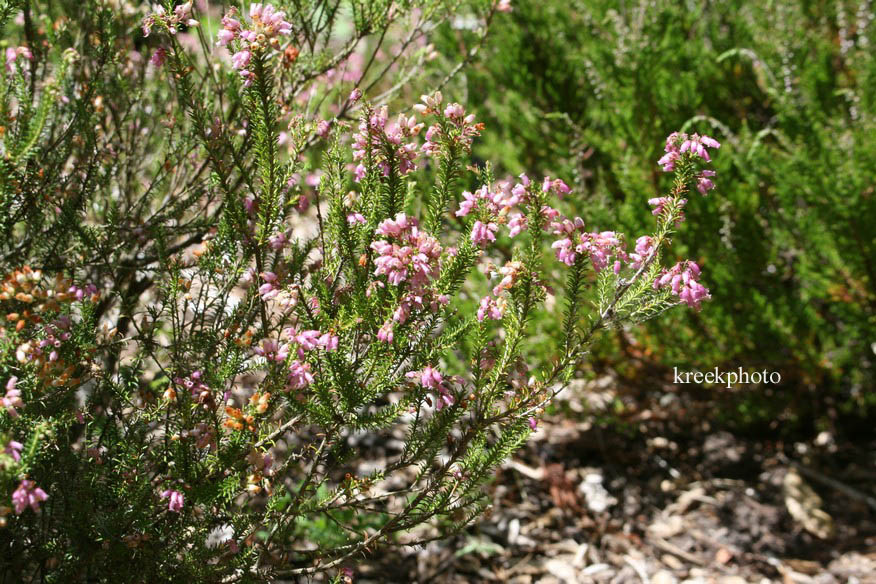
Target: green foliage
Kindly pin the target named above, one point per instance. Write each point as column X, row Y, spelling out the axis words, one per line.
column 587, row 89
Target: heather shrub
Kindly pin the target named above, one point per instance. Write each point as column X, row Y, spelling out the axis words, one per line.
column 253, row 327
column 585, row 89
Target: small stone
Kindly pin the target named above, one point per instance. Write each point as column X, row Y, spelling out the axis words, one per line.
column 664, row 577
column 672, row 562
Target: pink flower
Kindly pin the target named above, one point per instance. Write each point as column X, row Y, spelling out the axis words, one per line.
column 677, row 143
column 12, row 54
column 183, row 12
column 308, row 340
column 323, row 128
column 467, row 205
column 241, row 59
column 269, row 21
column 454, row 110
column 697, row 145
column 225, row 36
column 272, row 350
column 683, row 281
column 355, row 95
column 278, row 241
column 13, row 449
column 533, row 424
column 601, row 247
column 645, row 247
column 385, row 333
column 12, row 399
column 299, row 375
column 668, row 160
column 175, row 500
column 704, row 184
column 158, row 57
column 430, row 378
column 504, row 6
column 269, row 289
column 354, row 218
column 516, row 224
column 328, row 341
column 230, row 28
column 660, row 204
column 481, row 233
column 509, row 272
column 411, row 256
column 445, row 398
column 565, row 251
column 492, row 308
column 28, row 495
column 395, row 227
column 557, row 186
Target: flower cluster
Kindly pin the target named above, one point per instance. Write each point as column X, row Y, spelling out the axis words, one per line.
column 28, row 494
column 646, row 246
column 33, row 303
column 431, row 378
column 175, row 500
column 600, row 246
column 492, row 308
column 453, row 124
column 199, row 391
column 679, row 143
column 682, row 279
column 408, row 255
column 384, row 143
column 300, row 371
column 12, row 55
column 26, row 285
column 181, row 16
column 266, row 26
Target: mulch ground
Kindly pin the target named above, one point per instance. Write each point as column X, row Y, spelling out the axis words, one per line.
column 659, row 495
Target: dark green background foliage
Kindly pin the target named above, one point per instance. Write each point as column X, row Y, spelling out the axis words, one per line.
column 588, row 91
